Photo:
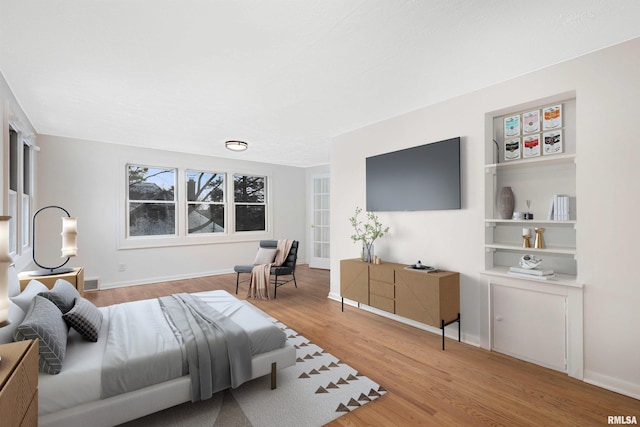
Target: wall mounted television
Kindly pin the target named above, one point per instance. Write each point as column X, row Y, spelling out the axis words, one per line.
column 420, row 178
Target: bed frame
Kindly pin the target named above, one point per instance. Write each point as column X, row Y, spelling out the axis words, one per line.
column 129, row 406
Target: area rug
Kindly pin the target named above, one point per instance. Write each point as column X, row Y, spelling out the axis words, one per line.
column 316, row 390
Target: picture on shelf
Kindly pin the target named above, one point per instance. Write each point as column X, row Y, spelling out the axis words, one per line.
column 531, row 121
column 512, row 126
column 531, row 146
column 552, row 117
column 552, row 142
column 512, row 149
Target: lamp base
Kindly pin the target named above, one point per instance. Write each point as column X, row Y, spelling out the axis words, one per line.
column 51, row 272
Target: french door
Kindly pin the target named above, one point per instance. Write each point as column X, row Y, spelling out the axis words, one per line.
column 319, row 238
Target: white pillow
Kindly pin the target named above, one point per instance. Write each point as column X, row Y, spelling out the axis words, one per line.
column 14, row 283
column 24, row 299
column 16, row 316
column 265, row 256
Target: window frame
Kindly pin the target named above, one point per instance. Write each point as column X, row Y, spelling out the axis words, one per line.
column 173, row 202
column 182, row 237
column 19, row 187
column 265, row 203
column 223, row 203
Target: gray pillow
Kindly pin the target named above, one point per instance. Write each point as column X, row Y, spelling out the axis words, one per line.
column 24, row 299
column 44, row 322
column 63, row 295
column 265, row 256
column 85, row 318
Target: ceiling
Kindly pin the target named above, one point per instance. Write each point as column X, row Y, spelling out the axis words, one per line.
column 285, row 76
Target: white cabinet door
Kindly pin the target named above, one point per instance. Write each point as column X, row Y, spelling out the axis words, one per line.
column 529, row 325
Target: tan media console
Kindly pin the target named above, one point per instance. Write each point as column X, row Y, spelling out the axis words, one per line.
column 432, row 298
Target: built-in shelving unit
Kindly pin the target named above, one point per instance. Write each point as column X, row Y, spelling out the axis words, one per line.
column 536, row 179
column 546, row 311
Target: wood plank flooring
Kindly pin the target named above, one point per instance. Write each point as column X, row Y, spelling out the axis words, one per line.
column 462, row 386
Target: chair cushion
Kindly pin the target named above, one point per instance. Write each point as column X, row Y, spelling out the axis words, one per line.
column 243, row 268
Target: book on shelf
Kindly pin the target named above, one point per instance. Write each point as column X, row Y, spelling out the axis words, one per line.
column 531, row 276
column 532, row 271
column 559, row 208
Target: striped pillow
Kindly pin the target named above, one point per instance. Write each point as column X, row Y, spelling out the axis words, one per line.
column 85, row 318
column 44, row 322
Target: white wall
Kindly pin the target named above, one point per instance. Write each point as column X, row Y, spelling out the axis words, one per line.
column 608, row 96
column 84, row 177
column 10, row 111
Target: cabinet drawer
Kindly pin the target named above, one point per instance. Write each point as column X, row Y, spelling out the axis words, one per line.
column 382, row 289
column 382, row 273
column 386, row 304
column 19, row 374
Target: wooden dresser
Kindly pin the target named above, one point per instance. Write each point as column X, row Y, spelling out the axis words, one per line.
column 430, row 298
column 19, row 384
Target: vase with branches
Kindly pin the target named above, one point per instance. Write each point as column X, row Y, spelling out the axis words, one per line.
column 367, row 232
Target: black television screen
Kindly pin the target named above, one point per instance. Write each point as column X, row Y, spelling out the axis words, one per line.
column 420, row 178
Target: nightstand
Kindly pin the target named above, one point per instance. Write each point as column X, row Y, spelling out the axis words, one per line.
column 19, row 384
column 76, row 278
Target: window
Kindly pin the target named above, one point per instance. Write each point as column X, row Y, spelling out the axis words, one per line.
column 26, row 194
column 250, row 203
column 14, row 173
column 171, row 205
column 205, row 202
column 19, row 190
column 152, row 201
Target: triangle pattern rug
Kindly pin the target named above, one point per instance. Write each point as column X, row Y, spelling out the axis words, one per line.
column 316, row 390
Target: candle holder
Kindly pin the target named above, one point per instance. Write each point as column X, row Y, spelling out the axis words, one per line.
column 539, row 241
column 526, row 235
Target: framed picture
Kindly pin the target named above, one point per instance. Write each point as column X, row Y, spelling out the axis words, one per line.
column 552, row 117
column 511, row 126
column 531, row 146
column 512, row 149
column 552, row 142
column 531, row 122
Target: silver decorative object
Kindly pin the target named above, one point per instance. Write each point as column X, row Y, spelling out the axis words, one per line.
column 530, row 261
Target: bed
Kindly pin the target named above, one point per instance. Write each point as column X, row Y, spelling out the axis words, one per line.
column 95, row 384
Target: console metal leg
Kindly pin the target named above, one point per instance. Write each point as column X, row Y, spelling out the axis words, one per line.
column 443, row 325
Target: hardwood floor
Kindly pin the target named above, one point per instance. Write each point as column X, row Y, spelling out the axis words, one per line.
column 462, row 386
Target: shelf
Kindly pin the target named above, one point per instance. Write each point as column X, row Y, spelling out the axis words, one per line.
column 555, row 159
column 520, row 222
column 518, row 248
column 560, row 279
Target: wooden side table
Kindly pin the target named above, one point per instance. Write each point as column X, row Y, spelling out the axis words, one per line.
column 19, row 384
column 76, row 278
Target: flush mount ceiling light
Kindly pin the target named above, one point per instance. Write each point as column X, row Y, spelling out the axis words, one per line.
column 236, row 145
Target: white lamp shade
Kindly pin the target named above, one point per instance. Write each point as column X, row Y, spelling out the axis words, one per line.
column 69, row 237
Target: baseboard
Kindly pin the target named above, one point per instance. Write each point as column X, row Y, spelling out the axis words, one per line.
column 163, row 279
column 450, row 331
column 613, row 384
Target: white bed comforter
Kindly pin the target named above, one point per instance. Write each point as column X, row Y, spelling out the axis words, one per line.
column 79, row 381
